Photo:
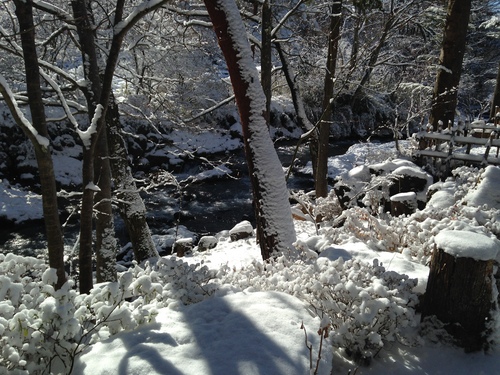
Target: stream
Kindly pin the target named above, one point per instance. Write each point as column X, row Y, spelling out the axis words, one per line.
column 203, row 207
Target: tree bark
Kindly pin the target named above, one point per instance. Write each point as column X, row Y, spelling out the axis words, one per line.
column 105, row 245
column 321, row 178
column 82, row 15
column 459, row 294
column 495, row 103
column 130, row 203
column 444, row 98
column 275, row 230
column 24, row 13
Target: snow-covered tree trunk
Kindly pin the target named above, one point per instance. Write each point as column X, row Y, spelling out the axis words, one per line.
column 38, row 135
column 275, row 230
column 444, row 98
column 130, row 203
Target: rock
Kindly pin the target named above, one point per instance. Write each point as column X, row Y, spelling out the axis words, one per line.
column 207, row 242
column 241, row 230
column 182, row 246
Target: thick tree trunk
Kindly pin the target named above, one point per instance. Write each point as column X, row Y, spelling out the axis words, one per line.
column 321, row 180
column 24, row 13
column 459, row 289
column 130, row 203
column 275, row 230
column 444, row 98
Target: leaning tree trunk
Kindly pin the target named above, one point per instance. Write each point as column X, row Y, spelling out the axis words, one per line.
column 321, row 178
column 24, row 13
column 130, row 203
column 275, row 230
column 444, row 98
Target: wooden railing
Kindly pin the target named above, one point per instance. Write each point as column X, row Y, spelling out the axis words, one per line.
column 455, row 143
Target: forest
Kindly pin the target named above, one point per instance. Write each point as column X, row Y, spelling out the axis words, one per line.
column 122, row 118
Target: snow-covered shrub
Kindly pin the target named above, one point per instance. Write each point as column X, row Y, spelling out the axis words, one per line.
column 170, row 279
column 43, row 329
column 365, row 304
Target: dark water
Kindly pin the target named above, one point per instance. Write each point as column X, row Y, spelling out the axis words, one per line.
column 205, row 207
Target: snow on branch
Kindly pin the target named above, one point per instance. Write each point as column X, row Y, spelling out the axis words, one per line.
column 86, row 135
column 64, row 103
column 19, row 117
column 52, row 9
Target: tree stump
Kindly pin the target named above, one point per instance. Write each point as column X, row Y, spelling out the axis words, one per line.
column 403, row 204
column 459, row 290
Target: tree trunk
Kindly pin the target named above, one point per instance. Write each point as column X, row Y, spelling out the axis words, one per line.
column 130, row 203
column 321, row 180
column 105, row 246
column 275, row 230
column 82, row 15
column 24, row 13
column 444, row 98
column 495, row 103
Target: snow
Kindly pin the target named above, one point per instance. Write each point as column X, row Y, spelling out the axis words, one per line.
column 467, row 244
column 404, row 197
column 487, row 191
column 19, row 205
column 242, row 333
column 86, row 135
column 255, row 328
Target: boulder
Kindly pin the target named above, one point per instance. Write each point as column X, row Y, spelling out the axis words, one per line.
column 207, row 242
column 183, row 246
column 241, row 230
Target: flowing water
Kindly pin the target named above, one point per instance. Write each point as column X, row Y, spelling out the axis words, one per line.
column 204, row 207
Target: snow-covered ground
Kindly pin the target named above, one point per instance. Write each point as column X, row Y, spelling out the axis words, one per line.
column 224, row 312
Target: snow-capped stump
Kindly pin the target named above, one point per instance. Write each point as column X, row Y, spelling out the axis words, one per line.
column 403, row 204
column 207, row 242
column 459, row 290
column 241, row 230
column 182, row 246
